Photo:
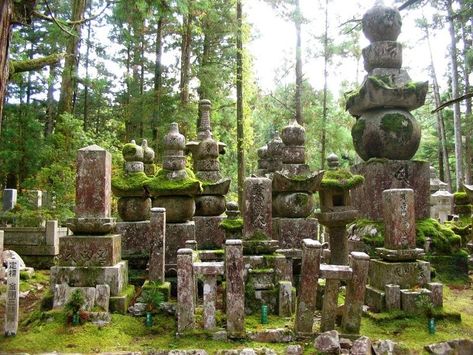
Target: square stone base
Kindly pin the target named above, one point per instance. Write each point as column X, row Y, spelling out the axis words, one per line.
column 114, row 276
column 90, row 250
column 405, row 274
column 383, row 174
column 375, row 298
column 176, row 236
column 137, row 239
column 290, row 231
column 207, row 232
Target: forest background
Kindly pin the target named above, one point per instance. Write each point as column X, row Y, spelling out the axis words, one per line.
column 107, row 71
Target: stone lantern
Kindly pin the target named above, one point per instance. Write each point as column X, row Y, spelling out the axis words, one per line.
column 442, row 202
column 336, row 208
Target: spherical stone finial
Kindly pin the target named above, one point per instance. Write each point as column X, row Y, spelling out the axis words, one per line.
column 293, row 134
column 174, row 140
column 382, row 23
column 232, row 206
column 263, row 152
column 333, row 161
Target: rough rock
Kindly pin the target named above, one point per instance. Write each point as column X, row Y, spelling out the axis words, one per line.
column 328, row 343
column 361, row 346
column 279, row 335
column 294, row 350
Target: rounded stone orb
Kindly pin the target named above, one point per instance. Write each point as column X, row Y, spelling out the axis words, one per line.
column 293, row 134
column 382, row 23
column 209, row 205
column 293, row 204
column 178, row 208
column 132, row 209
column 386, row 133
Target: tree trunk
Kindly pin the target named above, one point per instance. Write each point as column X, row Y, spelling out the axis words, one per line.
column 69, row 74
column 87, row 77
column 298, row 94
column 50, row 111
column 324, row 102
column 455, row 94
column 185, row 57
column 157, row 81
column 444, row 166
column 468, row 104
column 6, row 9
column 240, row 117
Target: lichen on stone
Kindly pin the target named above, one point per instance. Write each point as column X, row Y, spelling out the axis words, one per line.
column 340, row 179
column 129, row 149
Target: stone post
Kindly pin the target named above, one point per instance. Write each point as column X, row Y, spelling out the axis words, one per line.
column 210, row 296
column 9, row 199
column 330, row 304
column 158, row 245
column 393, row 297
column 283, row 268
column 399, row 219
column 2, row 269
column 185, row 290
column 52, row 235
column 257, row 211
column 13, row 297
column 338, row 244
column 285, row 299
column 235, row 288
column 436, row 295
column 355, row 294
column 310, row 269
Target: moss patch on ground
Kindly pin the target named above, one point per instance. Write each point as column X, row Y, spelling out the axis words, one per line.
column 341, row 179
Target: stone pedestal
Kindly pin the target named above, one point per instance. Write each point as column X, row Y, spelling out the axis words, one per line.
column 176, row 236
column 290, row 232
column 208, row 234
column 382, row 174
column 136, row 242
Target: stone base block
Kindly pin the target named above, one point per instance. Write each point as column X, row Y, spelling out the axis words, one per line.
column 290, row 231
column 383, row 174
column 207, row 232
column 90, row 250
column 409, row 299
column 115, row 276
column 176, row 236
column 400, row 254
column 405, row 274
column 136, row 242
column 261, row 279
column 375, row 298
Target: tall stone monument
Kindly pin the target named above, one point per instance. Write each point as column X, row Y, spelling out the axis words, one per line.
column 12, row 304
column 92, row 256
column 385, row 134
column 210, row 204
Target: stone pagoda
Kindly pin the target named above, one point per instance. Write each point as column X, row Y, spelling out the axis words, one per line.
column 173, row 188
column 293, row 187
column 398, row 278
column 90, row 260
column 385, row 134
column 336, row 207
column 210, row 204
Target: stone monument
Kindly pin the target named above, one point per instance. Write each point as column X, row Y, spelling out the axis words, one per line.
column 12, row 304
column 92, row 256
column 210, row 204
column 385, row 134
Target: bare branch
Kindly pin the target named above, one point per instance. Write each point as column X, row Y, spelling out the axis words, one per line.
column 453, row 101
column 34, row 64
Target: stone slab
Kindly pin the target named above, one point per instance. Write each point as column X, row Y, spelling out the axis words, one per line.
column 114, row 276
column 207, row 232
column 409, row 299
column 400, row 254
column 34, row 250
column 86, row 250
column 136, row 242
column 176, row 236
column 337, row 272
column 291, row 231
column 62, row 292
column 404, row 274
column 209, row 268
column 383, row 174
column 24, row 236
column 257, row 208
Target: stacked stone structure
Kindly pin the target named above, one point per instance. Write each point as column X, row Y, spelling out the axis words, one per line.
column 210, row 204
column 384, row 128
column 92, row 256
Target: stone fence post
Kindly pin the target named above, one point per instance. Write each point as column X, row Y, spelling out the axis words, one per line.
column 158, row 244
column 235, row 288
column 12, row 304
column 185, row 290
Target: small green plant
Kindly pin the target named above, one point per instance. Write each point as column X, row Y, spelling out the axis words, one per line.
column 425, row 305
column 153, row 297
column 75, row 302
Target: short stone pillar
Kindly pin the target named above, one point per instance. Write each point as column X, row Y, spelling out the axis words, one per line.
column 311, row 253
column 210, row 295
column 330, row 305
column 436, row 289
column 12, row 305
column 185, row 290
column 285, row 299
column 393, row 297
column 52, row 233
column 355, row 293
column 158, row 246
column 9, row 199
column 235, row 288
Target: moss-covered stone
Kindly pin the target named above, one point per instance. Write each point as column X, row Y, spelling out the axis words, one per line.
column 232, row 225
column 161, row 185
column 128, row 184
column 461, row 198
column 399, row 125
column 340, row 179
column 444, row 240
column 357, row 131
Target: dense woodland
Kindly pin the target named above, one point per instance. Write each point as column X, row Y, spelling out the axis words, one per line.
column 77, row 72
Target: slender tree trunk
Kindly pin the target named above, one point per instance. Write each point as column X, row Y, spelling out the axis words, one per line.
column 50, row 111
column 87, row 77
column 71, row 63
column 455, row 94
column 240, row 117
column 30, row 57
column 298, row 94
column 157, row 81
column 186, row 57
column 323, row 139
column 6, row 10
column 468, row 104
column 444, row 170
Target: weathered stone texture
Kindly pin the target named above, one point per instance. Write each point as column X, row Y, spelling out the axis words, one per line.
column 393, row 297
column 176, row 236
column 404, row 274
column 235, row 288
column 185, row 290
column 285, row 299
column 12, row 305
column 157, row 258
column 330, row 304
column 208, row 234
column 290, row 232
column 436, row 289
column 381, row 175
column 137, row 239
column 257, row 208
column 81, row 250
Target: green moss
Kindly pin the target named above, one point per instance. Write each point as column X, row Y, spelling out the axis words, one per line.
column 258, row 236
column 444, row 240
column 232, row 225
column 341, row 179
column 161, row 185
column 129, row 150
column 357, row 131
column 382, row 81
column 125, row 183
column 399, row 125
column 460, row 198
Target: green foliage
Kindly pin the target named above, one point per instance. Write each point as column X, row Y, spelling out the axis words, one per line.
column 341, row 179
column 425, row 305
column 75, row 302
column 153, row 296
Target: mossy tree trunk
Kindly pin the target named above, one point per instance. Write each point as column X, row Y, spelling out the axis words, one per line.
column 298, row 94
column 6, row 10
column 240, row 117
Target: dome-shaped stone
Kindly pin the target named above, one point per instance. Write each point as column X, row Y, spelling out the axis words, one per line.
column 275, row 146
column 382, row 23
column 208, row 148
column 132, row 152
column 263, row 152
column 174, row 141
column 148, row 152
column 333, row 161
column 386, row 133
column 293, row 134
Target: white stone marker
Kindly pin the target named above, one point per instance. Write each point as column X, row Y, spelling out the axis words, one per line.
column 13, row 297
